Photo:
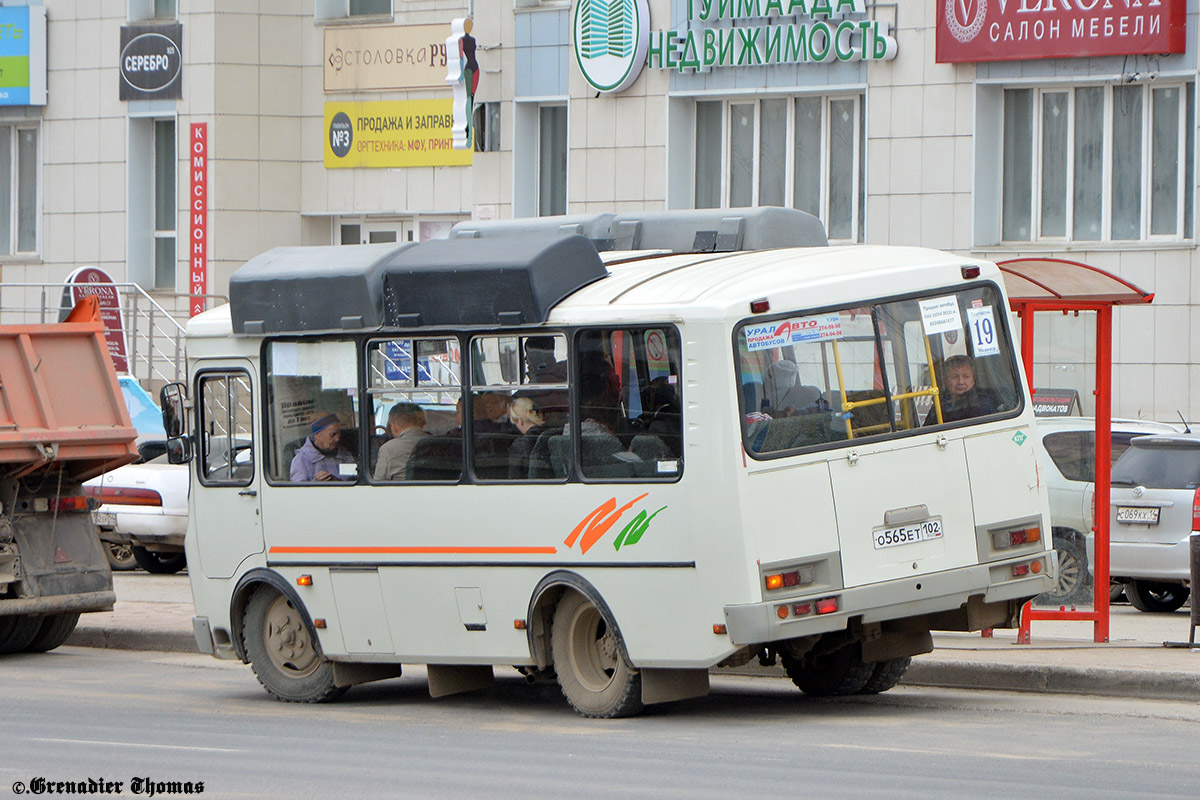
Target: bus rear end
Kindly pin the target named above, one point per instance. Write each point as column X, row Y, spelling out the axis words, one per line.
column 890, row 486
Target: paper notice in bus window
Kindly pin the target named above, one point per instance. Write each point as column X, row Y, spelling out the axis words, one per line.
column 769, row 334
column 940, row 314
column 817, row 328
column 983, row 331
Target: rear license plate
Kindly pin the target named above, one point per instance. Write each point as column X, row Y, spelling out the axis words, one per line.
column 1138, row 515
column 104, row 519
column 907, row 534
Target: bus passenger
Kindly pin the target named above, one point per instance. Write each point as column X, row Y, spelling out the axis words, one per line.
column 961, row 398
column 406, row 424
column 321, row 456
column 530, row 422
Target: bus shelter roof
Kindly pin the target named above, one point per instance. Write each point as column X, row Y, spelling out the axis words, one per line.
column 1055, row 282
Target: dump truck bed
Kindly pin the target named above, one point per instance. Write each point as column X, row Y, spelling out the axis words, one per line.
column 60, row 403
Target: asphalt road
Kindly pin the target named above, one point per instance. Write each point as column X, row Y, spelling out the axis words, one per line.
column 80, row 713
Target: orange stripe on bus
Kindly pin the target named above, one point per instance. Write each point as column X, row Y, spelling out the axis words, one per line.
column 414, row 550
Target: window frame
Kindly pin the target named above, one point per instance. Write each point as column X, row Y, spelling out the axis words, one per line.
column 17, row 185
column 1184, row 176
column 267, row 400
column 1000, row 319
column 857, row 220
column 203, row 377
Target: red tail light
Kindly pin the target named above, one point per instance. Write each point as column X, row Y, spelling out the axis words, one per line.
column 76, row 503
column 124, row 497
column 1196, row 511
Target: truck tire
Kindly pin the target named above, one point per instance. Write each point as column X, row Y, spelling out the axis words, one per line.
column 55, row 629
column 159, row 563
column 16, row 632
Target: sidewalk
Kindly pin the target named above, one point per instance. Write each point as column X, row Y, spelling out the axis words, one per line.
column 154, row 612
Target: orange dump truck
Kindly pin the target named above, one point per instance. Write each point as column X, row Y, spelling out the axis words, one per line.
column 62, row 421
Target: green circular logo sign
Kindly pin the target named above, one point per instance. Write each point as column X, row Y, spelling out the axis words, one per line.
column 610, row 41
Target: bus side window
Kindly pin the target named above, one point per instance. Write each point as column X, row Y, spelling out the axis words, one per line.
column 629, row 413
column 312, row 388
column 226, row 429
column 518, row 395
column 414, row 396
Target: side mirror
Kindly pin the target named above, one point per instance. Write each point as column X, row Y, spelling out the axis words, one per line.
column 179, row 447
column 171, row 399
column 179, row 450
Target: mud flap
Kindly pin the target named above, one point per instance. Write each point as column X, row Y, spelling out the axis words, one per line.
column 447, row 679
column 664, row 685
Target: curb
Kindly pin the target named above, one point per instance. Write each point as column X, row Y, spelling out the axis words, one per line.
column 132, row 639
column 1098, row 681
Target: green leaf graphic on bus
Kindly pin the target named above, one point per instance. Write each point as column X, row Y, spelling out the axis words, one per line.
column 634, row 530
column 592, row 527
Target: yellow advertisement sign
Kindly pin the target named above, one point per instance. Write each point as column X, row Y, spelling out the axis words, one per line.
column 392, row 133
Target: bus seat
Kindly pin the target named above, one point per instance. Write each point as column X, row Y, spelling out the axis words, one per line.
column 559, row 455
column 436, row 458
column 490, row 457
column 539, row 457
column 650, row 449
column 752, row 395
column 783, row 389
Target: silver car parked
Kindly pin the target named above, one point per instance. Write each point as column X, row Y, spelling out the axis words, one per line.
column 1155, row 507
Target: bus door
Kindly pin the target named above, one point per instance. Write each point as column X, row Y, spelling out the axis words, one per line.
column 226, row 503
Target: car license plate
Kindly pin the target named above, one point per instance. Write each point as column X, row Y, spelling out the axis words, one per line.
column 1138, row 515
column 907, row 534
column 104, row 519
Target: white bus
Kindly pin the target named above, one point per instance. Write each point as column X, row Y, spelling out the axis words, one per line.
column 636, row 465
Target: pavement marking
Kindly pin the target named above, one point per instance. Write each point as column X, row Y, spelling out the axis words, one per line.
column 139, row 744
column 913, row 750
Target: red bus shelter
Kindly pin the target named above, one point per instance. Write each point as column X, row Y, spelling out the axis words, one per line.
column 1051, row 284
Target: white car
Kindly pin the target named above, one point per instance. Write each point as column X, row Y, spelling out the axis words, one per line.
column 1070, row 473
column 144, row 506
column 1155, row 499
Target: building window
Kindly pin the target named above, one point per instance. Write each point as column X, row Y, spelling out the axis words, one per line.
column 1098, row 163
column 485, row 122
column 552, row 160
column 18, row 189
column 804, row 152
column 164, row 204
column 152, row 9
column 346, row 9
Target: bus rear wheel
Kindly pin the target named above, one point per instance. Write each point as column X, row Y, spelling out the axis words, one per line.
column 282, row 653
column 587, row 657
column 835, row 673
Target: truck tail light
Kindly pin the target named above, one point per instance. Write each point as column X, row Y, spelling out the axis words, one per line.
column 1196, row 511
column 76, row 503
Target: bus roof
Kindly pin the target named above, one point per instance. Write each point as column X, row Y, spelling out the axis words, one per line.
column 528, row 272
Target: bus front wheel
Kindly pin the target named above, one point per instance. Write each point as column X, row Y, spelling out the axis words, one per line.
column 587, row 657
column 282, row 653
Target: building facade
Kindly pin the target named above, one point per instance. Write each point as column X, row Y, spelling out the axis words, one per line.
column 999, row 128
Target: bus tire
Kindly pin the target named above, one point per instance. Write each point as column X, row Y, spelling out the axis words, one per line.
column 55, row 629
column 836, row 673
column 885, row 675
column 591, row 671
column 282, row 653
column 17, row 631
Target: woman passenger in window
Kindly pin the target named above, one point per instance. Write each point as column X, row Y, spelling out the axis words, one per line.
column 321, row 456
column 406, row 424
column 530, row 422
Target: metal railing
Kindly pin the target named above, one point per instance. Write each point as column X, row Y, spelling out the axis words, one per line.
column 153, row 326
